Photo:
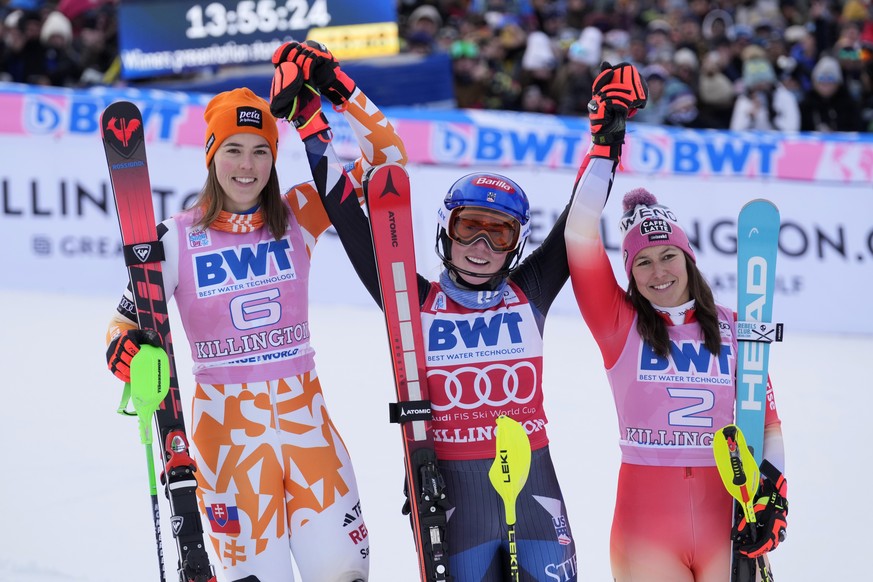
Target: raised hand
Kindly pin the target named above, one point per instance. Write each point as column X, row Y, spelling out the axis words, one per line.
column 293, row 99
column 618, row 92
column 320, row 68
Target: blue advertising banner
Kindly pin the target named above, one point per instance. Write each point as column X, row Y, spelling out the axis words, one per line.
column 162, row 37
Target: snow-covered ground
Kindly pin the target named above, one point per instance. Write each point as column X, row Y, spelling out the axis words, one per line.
column 74, row 491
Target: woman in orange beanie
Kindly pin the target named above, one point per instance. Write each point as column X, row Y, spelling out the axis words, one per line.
column 273, row 470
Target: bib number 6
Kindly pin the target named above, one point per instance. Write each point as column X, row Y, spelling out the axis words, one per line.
column 256, row 309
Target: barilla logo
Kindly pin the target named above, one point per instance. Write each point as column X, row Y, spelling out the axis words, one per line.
column 656, row 229
column 494, row 183
column 248, row 117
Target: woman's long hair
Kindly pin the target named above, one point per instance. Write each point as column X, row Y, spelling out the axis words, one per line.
column 652, row 327
column 275, row 212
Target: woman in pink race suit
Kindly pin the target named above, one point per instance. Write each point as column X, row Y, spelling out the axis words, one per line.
column 670, row 356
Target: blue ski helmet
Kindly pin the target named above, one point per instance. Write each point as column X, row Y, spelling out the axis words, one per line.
column 492, row 192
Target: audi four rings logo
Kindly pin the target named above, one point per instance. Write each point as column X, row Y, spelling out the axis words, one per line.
column 494, row 385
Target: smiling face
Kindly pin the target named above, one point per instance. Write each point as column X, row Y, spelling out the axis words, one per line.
column 477, row 259
column 661, row 275
column 243, row 164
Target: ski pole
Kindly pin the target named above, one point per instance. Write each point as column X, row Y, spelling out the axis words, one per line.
column 741, row 477
column 148, row 386
column 508, row 474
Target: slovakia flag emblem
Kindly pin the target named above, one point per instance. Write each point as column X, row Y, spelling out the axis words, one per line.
column 223, row 518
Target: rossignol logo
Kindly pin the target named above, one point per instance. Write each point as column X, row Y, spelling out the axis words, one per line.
column 142, row 252
column 249, row 117
column 122, row 128
column 494, row 183
column 176, row 523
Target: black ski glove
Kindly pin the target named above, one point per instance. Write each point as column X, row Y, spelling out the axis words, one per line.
column 320, row 69
column 771, row 515
column 293, row 99
column 618, row 92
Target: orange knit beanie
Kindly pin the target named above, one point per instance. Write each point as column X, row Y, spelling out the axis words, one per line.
column 238, row 111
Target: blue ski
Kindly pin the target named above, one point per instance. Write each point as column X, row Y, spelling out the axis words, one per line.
column 757, row 243
column 757, row 246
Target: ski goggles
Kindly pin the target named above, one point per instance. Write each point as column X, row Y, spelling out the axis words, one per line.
column 467, row 224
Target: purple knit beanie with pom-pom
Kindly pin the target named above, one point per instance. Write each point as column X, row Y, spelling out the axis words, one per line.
column 645, row 223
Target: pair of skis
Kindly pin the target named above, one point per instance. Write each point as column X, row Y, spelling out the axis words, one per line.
column 738, row 448
column 389, row 209
column 155, row 387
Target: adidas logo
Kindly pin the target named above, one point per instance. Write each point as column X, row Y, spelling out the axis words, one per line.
column 349, row 519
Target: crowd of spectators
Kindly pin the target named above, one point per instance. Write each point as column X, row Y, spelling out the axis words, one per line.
column 65, row 43
column 736, row 64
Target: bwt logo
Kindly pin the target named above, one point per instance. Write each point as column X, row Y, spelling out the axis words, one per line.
column 242, row 263
column 685, row 355
column 482, row 331
column 494, row 183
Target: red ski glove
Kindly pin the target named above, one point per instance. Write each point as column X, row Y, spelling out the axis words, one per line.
column 298, row 102
column 122, row 349
column 771, row 511
column 320, row 68
column 618, row 92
